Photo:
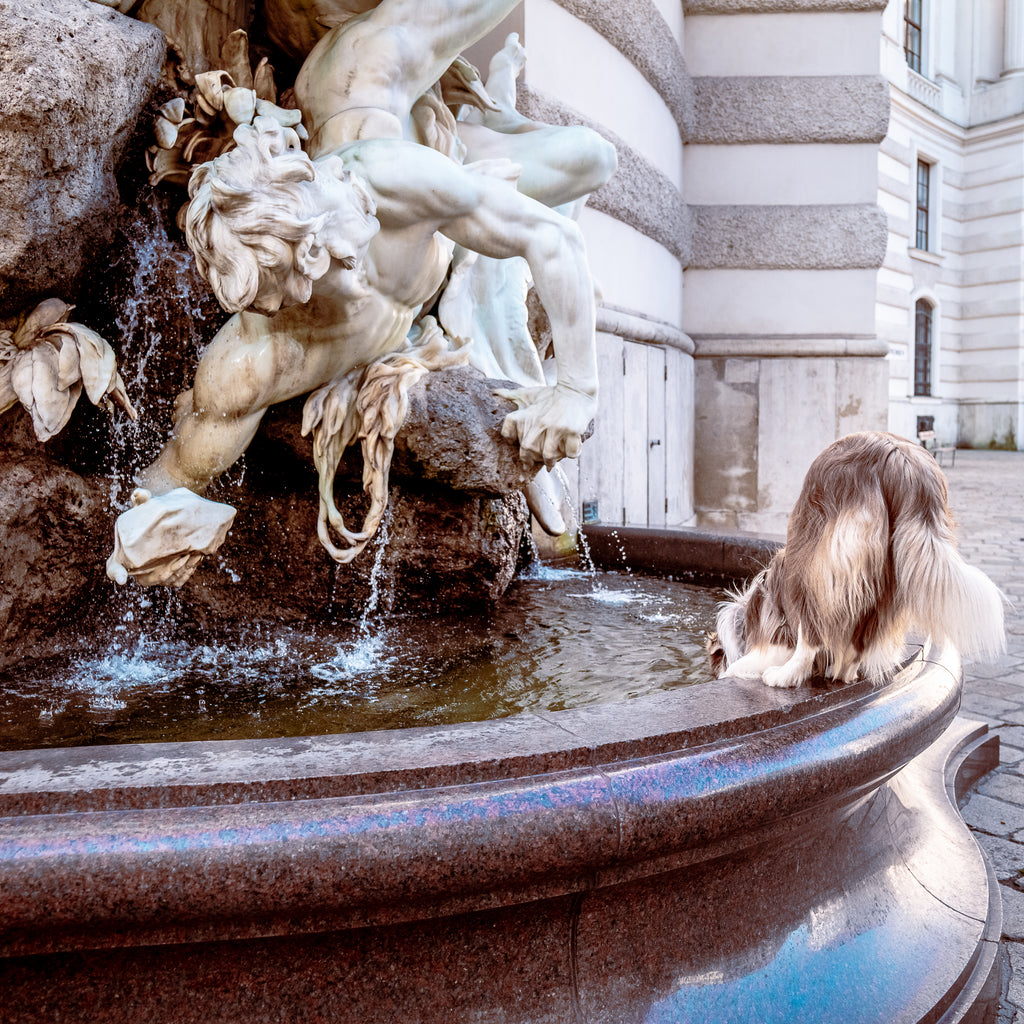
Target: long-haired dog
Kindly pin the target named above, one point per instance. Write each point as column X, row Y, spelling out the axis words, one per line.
column 870, row 555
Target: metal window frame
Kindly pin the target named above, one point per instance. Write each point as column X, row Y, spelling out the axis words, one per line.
column 923, row 191
column 913, row 33
column 923, row 321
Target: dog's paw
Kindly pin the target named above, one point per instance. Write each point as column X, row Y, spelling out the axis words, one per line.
column 781, row 676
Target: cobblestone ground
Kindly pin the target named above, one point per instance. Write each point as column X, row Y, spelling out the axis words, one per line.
column 986, row 491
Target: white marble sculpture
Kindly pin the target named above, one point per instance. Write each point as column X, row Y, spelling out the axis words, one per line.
column 328, row 257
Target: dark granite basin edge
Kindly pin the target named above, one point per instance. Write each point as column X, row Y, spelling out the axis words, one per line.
column 272, row 867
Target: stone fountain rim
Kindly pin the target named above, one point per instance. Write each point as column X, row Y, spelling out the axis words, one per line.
column 273, row 856
column 235, row 839
column 193, row 773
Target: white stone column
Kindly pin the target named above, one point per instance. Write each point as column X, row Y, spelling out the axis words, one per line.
column 1013, row 37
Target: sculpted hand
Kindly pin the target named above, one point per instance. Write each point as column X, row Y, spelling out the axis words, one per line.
column 550, row 422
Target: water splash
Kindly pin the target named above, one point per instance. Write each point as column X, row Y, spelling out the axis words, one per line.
column 574, row 525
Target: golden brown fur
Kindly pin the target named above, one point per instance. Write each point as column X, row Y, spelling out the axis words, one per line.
column 870, row 554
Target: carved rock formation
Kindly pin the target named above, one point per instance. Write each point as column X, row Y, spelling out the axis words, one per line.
column 53, row 530
column 73, row 81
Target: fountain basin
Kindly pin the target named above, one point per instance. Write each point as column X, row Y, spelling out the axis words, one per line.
column 719, row 852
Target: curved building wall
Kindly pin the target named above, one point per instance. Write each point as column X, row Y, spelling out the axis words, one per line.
column 736, row 249
column 781, row 182
column 619, row 69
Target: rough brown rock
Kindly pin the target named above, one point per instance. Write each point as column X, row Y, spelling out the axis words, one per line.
column 74, row 77
column 455, row 525
column 54, row 527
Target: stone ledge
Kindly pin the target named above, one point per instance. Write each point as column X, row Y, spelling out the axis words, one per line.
column 787, row 346
column 780, row 6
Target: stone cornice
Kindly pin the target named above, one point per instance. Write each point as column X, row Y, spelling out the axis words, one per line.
column 788, row 346
column 779, row 6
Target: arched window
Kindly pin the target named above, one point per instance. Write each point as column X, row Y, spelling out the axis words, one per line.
column 913, row 20
column 923, row 348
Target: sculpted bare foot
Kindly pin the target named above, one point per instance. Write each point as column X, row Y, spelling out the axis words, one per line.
column 506, row 66
column 161, row 540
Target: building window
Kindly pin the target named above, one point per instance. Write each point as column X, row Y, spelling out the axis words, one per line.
column 922, row 348
column 912, row 45
column 924, row 176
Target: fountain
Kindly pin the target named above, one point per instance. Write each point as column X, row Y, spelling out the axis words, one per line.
column 718, row 851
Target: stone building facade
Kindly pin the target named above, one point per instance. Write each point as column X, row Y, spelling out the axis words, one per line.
column 737, row 249
column 951, row 179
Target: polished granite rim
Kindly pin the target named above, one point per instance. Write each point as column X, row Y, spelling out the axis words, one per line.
column 687, row 854
column 354, row 830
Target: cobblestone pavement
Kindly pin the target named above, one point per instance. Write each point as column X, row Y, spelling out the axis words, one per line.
column 986, row 491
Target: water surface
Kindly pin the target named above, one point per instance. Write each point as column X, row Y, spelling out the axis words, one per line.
column 559, row 639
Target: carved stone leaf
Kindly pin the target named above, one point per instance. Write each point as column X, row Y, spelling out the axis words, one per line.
column 34, row 377
column 286, row 117
column 173, row 110
column 99, row 367
column 240, row 105
column 166, row 165
column 46, row 314
column 234, row 57
column 119, row 396
column 69, row 365
column 166, row 133
column 210, row 86
column 8, row 396
column 263, row 82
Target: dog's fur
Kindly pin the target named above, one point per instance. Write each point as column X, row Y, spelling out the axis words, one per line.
column 870, row 555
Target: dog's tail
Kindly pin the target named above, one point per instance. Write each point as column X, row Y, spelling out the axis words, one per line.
column 948, row 599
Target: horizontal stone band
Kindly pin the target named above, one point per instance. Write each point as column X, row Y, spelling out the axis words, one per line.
column 852, row 108
column 837, row 237
column 779, row 6
column 638, row 194
column 787, row 346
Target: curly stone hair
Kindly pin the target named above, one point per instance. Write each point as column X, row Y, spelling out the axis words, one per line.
column 252, row 223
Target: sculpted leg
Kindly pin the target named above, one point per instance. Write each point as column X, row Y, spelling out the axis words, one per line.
column 559, row 164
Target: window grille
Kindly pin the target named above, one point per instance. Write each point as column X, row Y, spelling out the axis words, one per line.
column 922, row 349
column 913, row 21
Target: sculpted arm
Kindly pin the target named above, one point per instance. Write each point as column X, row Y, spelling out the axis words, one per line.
column 480, row 209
